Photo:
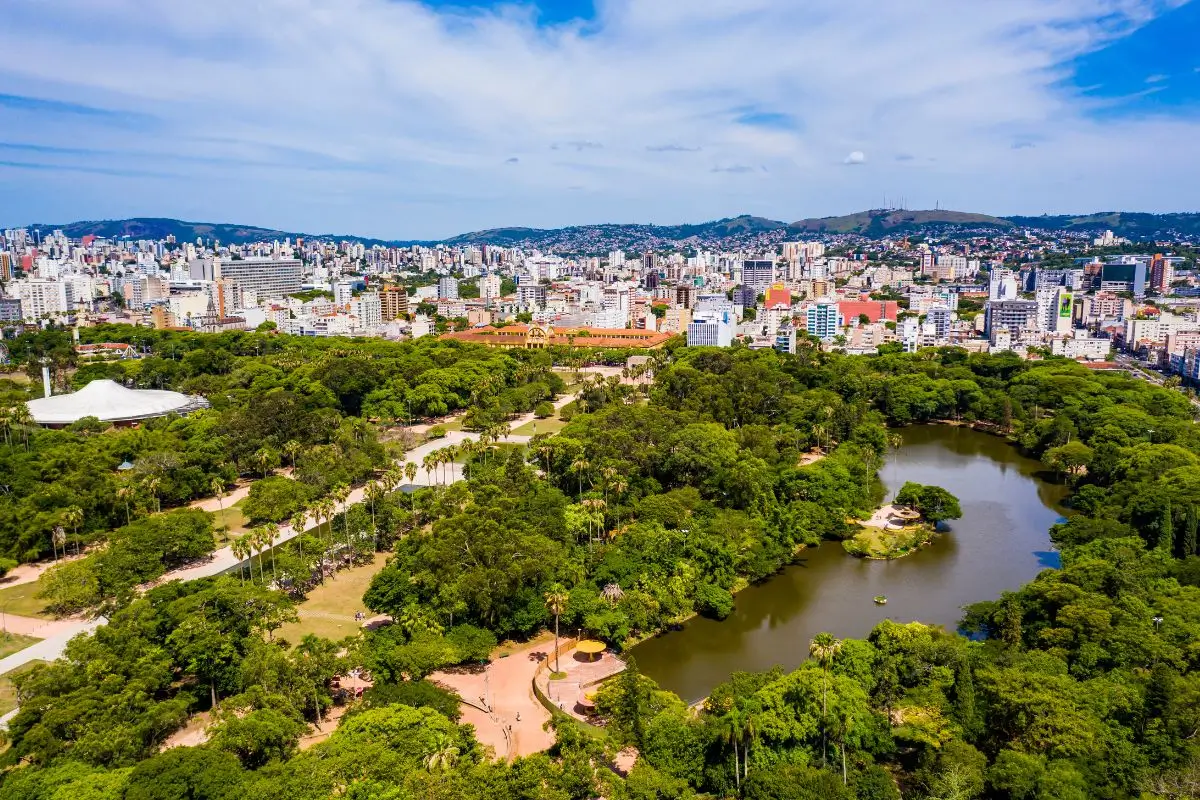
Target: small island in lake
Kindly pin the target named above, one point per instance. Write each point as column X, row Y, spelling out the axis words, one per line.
column 905, row 525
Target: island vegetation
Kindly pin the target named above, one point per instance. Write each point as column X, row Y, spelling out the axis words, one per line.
column 651, row 504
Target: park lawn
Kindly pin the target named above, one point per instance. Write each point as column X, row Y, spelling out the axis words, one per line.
column 550, row 425
column 329, row 610
column 8, row 692
column 15, row 642
column 22, row 600
column 231, row 517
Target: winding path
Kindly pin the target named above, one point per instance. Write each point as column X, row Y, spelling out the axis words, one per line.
column 53, row 645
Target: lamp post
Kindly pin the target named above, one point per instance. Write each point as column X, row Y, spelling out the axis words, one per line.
column 1157, row 620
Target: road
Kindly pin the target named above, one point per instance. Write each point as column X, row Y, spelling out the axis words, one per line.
column 224, row 560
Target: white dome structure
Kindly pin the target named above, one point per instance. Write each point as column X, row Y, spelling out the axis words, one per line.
column 110, row 402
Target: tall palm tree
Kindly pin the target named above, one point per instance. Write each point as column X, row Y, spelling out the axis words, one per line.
column 271, row 533
column 20, row 417
column 6, row 422
column 580, row 466
column 373, row 492
column 240, row 547
column 218, row 489
column 732, row 727
column 340, row 494
column 556, row 604
column 125, row 493
column 299, row 523
column 619, row 487
column 824, row 648
column 152, row 485
column 73, row 516
column 427, row 464
column 410, row 471
column 264, row 457
column 819, row 432
column 291, row 449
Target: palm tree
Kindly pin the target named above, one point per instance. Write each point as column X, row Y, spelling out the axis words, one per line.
column 818, row 432
column 299, row 525
column 580, row 466
column 619, row 487
column 613, row 593
column 264, row 457
column 340, row 494
column 556, row 604
column 124, row 493
column 824, row 648
column 291, row 449
column 218, row 488
column 20, row 417
column 73, row 516
column 6, row 423
column 240, row 548
column 152, row 485
column 373, row 493
column 444, row 754
column 271, row 533
column 427, row 464
column 732, row 729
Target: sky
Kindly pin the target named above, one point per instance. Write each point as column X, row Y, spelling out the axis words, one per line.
column 405, row 119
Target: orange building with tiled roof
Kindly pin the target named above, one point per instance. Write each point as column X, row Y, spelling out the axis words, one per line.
column 536, row 336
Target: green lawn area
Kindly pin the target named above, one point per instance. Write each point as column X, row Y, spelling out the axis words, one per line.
column 8, row 692
column 232, row 517
column 13, row 642
column 21, row 600
column 329, row 610
column 550, row 425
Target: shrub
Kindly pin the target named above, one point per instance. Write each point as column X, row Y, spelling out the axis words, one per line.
column 436, row 432
column 543, row 410
column 713, row 601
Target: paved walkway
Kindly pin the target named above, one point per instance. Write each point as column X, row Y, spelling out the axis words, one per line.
column 513, row 723
column 582, row 672
column 52, row 646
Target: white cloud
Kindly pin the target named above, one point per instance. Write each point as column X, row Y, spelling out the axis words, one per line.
column 855, row 157
column 278, row 105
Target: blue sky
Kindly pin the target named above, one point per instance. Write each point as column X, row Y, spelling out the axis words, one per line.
column 407, row 119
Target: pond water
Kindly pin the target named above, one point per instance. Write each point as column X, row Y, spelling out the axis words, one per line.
column 1001, row 542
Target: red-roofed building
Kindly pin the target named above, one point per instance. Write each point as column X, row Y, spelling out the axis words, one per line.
column 778, row 295
column 875, row 310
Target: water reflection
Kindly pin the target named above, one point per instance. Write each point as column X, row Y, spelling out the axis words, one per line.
column 1000, row 543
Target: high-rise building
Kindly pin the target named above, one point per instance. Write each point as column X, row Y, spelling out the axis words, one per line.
column 758, row 275
column 938, row 319
column 824, row 321
column 489, row 288
column 393, row 303
column 1012, row 315
column 1162, row 274
column 6, row 266
column 1124, row 277
column 447, row 288
column 43, row 298
column 266, row 278
column 710, row 328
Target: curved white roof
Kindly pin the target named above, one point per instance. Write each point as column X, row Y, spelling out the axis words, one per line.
column 111, row 402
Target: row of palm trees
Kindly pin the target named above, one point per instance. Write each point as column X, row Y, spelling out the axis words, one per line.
column 323, row 512
column 15, row 417
column 438, row 460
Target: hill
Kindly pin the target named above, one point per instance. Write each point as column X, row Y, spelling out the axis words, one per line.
column 882, row 222
column 161, row 228
column 1130, row 224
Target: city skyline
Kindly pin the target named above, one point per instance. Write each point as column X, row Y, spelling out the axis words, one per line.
column 426, row 120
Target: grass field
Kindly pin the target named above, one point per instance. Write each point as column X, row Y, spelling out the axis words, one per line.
column 232, row 517
column 21, row 600
column 8, row 692
column 550, row 425
column 329, row 609
column 13, row 642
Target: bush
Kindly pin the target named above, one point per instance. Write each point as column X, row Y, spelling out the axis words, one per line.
column 543, row 410
column 713, row 601
column 275, row 499
column 436, row 432
column 418, row 694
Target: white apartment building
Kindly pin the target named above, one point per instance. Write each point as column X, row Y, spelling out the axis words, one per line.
column 45, row 298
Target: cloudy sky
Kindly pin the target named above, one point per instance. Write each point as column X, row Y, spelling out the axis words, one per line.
column 407, row 119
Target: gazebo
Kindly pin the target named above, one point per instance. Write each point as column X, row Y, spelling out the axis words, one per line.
column 591, row 648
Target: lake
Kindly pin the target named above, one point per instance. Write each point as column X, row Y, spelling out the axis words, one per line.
column 1001, row 542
